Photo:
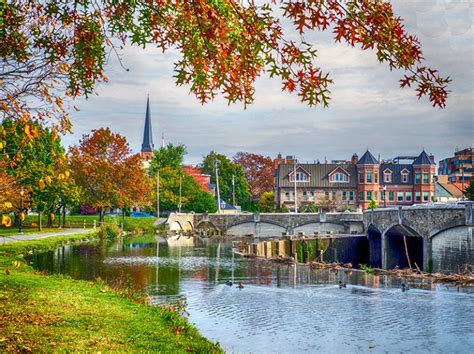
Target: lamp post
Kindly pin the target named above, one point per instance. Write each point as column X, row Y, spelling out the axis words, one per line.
column 384, row 196
column 20, row 227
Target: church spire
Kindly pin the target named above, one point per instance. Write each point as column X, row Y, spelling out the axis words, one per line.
column 147, row 145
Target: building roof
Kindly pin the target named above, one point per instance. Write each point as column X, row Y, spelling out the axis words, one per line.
column 396, row 170
column 147, row 145
column 367, row 159
column 441, row 191
column 319, row 175
column 423, row 159
column 452, row 188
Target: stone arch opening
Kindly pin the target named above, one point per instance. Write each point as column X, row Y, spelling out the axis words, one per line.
column 206, row 225
column 188, row 226
column 395, row 250
column 176, row 226
column 263, row 229
column 374, row 238
column 326, row 227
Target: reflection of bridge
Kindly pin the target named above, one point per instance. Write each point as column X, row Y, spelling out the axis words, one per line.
column 435, row 237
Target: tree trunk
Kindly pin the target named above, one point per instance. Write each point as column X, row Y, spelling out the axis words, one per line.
column 64, row 216
column 40, row 214
column 101, row 215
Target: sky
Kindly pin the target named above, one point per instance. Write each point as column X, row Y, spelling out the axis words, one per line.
column 368, row 109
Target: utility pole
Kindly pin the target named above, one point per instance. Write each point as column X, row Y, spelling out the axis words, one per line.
column 294, row 178
column 180, row 188
column 158, row 194
column 233, row 190
column 217, row 187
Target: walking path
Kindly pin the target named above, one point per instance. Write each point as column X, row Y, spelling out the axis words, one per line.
column 13, row 238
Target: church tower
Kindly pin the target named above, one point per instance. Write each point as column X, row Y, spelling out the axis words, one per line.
column 147, row 145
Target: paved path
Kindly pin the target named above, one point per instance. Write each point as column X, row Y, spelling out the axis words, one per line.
column 14, row 238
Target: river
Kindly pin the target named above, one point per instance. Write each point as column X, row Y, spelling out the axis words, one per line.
column 281, row 308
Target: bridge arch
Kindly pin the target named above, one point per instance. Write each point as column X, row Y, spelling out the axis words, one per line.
column 262, row 228
column 206, row 224
column 176, row 226
column 402, row 245
column 188, row 226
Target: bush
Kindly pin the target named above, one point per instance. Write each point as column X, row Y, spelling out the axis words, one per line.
column 109, row 231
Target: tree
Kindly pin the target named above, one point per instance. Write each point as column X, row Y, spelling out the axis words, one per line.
column 168, row 161
column 36, row 161
column 469, row 191
column 108, row 172
column 227, row 172
column 373, row 204
column 169, row 156
column 258, row 171
column 52, row 51
column 266, row 204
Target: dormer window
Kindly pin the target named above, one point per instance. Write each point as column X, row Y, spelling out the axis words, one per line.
column 404, row 174
column 387, row 176
column 339, row 177
column 301, row 176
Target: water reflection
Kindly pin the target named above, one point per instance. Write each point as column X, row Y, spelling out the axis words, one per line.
column 282, row 308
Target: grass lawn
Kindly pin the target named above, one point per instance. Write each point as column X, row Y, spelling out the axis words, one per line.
column 41, row 312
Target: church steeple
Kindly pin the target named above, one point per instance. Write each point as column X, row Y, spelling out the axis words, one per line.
column 147, row 145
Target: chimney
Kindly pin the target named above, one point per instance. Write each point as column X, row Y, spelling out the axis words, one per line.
column 432, row 158
column 355, row 158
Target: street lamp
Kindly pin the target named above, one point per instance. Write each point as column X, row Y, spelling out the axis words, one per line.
column 20, row 228
column 384, row 196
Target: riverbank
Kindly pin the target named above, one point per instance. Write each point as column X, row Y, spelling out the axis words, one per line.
column 43, row 312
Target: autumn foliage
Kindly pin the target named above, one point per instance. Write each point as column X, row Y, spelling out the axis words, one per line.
column 109, row 174
column 52, row 51
column 258, row 171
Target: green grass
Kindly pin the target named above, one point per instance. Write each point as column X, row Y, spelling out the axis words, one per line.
column 133, row 225
column 52, row 312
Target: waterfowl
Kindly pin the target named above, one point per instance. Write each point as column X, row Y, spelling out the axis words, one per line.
column 228, row 282
column 241, row 286
column 405, row 287
column 342, row 285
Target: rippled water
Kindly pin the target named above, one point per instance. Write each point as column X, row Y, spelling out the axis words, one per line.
column 281, row 308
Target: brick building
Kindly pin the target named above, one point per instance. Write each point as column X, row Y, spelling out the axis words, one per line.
column 353, row 184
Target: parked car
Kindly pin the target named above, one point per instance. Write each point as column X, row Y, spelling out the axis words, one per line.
column 140, row 214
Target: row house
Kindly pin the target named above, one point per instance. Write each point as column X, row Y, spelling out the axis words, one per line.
column 353, row 184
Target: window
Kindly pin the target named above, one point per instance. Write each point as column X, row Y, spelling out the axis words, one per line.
column 361, row 177
column 326, row 194
column 376, row 177
column 417, row 196
column 339, row 177
column 391, row 196
column 344, row 195
column 408, row 196
column 369, row 176
column 382, row 196
column 404, row 177
column 387, row 176
column 400, row 196
column 351, row 196
column 361, row 196
column 426, row 196
column 426, row 177
column 417, row 177
column 369, row 195
column 287, row 196
column 376, row 195
column 300, row 177
column 333, row 195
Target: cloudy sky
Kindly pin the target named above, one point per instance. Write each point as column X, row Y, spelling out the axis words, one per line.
column 367, row 110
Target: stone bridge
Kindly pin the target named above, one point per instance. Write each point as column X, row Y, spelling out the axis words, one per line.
column 434, row 237
column 269, row 224
column 431, row 237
